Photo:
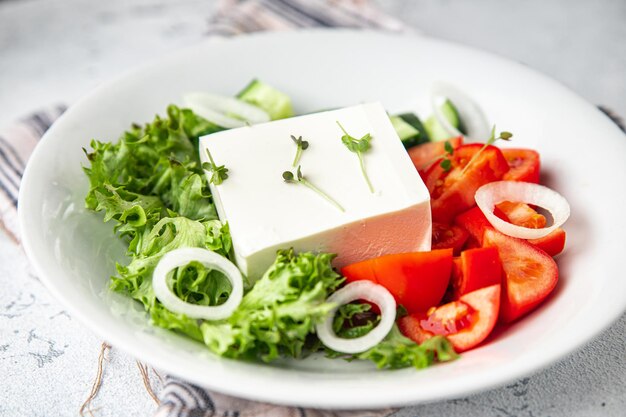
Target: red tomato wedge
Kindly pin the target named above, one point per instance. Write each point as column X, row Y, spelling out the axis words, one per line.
column 452, row 192
column 523, row 165
column 520, row 214
column 475, row 269
column 417, row 280
column 553, row 244
column 474, row 222
column 457, row 272
column 448, row 236
column 530, row 274
column 425, row 154
column 466, row 322
column 360, row 271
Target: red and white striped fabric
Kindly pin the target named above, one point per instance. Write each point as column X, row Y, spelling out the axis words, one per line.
column 16, row 144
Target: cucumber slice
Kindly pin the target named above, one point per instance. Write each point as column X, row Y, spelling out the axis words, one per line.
column 436, row 132
column 407, row 133
column 276, row 103
column 413, row 120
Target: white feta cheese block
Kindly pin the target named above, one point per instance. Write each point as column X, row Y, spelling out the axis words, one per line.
column 266, row 214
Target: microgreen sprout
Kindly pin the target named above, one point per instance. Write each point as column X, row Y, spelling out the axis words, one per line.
column 298, row 178
column 492, row 139
column 358, row 146
column 445, row 163
column 302, row 145
column 218, row 173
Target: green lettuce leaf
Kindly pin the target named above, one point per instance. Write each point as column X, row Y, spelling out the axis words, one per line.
column 397, row 351
column 157, row 161
column 193, row 282
column 151, row 184
column 279, row 313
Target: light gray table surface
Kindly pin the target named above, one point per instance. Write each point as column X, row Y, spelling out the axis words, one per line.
column 57, row 50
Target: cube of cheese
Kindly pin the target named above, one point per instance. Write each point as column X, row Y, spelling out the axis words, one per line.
column 266, row 214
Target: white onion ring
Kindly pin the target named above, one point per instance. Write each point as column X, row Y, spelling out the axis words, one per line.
column 491, row 194
column 181, row 257
column 216, row 108
column 359, row 290
column 473, row 118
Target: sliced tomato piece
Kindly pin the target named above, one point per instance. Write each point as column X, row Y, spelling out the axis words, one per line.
column 553, row 244
column 427, row 153
column 471, row 243
column 452, row 192
column 520, row 214
column 523, row 165
column 417, row 280
column 465, row 322
column 456, row 275
column 360, row 271
column 475, row 223
column 530, row 274
column 475, row 269
column 457, row 271
column 448, row 236
column 433, row 177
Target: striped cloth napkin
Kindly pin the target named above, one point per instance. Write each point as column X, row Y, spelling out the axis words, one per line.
column 178, row 398
column 16, row 144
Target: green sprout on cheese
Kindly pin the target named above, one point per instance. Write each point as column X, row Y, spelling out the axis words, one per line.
column 298, row 178
column 301, row 145
column 359, row 147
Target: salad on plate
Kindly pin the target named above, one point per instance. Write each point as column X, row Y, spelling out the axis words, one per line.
column 351, row 232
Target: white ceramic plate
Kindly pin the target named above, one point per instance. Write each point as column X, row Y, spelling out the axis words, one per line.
column 583, row 157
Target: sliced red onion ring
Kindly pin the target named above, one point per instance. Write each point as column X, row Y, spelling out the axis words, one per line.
column 473, row 118
column 359, row 290
column 216, row 109
column 181, row 257
column 489, row 195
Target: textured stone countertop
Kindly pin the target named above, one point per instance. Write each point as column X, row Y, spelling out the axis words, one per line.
column 56, row 50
